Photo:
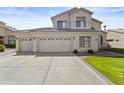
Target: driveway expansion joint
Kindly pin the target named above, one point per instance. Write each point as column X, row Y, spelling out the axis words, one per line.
column 47, row 70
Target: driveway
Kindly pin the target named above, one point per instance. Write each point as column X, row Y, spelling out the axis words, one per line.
column 7, row 51
column 46, row 70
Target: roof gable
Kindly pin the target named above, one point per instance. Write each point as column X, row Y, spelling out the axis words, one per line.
column 75, row 9
column 97, row 20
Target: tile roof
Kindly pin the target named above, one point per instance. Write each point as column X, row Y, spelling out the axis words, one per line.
column 121, row 31
column 97, row 20
column 47, row 29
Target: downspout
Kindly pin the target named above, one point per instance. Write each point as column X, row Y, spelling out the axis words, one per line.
column 69, row 21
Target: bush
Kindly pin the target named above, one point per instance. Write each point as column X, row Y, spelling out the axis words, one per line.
column 1, row 42
column 90, row 52
column 10, row 45
column 2, row 48
column 75, row 51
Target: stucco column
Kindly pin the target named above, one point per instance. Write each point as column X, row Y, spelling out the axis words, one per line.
column 95, row 43
column 34, row 44
column 17, row 44
column 75, row 43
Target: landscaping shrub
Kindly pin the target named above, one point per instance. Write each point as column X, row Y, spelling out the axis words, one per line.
column 90, row 52
column 2, row 48
column 75, row 51
column 1, row 42
column 10, row 45
column 117, row 50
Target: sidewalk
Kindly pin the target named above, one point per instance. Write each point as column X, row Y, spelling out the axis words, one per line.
column 7, row 51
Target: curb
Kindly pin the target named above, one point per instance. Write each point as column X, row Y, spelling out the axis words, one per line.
column 98, row 73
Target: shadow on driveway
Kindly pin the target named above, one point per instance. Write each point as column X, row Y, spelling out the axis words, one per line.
column 101, row 53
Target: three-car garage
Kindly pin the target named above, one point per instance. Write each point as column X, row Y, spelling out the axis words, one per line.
column 49, row 44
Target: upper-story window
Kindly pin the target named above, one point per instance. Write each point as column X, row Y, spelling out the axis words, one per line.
column 80, row 22
column 62, row 24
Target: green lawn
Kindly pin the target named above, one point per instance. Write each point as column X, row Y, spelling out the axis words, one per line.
column 112, row 68
column 117, row 50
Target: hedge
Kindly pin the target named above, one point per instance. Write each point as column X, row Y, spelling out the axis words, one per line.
column 2, row 48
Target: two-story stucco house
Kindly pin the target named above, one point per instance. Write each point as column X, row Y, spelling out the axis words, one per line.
column 72, row 29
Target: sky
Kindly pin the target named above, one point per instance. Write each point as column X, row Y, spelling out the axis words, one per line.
column 37, row 17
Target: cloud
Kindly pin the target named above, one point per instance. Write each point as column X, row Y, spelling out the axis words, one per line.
column 18, row 12
column 117, row 9
column 24, row 18
column 27, row 17
column 106, row 9
column 24, row 23
column 52, row 12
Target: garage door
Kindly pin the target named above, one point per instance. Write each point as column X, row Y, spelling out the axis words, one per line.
column 26, row 45
column 55, row 44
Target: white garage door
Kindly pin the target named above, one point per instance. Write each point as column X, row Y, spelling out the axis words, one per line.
column 55, row 45
column 26, row 45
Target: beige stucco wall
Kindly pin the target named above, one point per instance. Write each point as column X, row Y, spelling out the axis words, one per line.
column 104, row 36
column 96, row 25
column 71, row 19
column 94, row 39
column 5, row 32
column 2, row 31
column 80, row 14
column 64, row 17
column 116, row 36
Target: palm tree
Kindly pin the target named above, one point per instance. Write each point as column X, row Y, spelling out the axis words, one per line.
column 104, row 27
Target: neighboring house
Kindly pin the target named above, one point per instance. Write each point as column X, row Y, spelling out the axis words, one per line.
column 115, row 38
column 73, row 29
column 7, row 35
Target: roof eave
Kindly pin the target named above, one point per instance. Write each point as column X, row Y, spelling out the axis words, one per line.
column 97, row 20
column 83, row 9
column 86, row 10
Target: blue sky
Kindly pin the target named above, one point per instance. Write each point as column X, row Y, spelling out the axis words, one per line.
column 35, row 17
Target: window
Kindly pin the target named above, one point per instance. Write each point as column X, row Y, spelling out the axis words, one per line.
column 22, row 39
column 1, row 37
column 49, row 38
column 11, row 40
column 62, row 24
column 80, row 22
column 117, row 40
column 84, row 41
column 30, row 39
column 110, row 40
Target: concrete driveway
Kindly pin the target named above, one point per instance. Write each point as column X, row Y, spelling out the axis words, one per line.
column 32, row 70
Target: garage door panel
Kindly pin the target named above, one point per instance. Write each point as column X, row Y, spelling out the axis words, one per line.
column 55, row 45
column 26, row 46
